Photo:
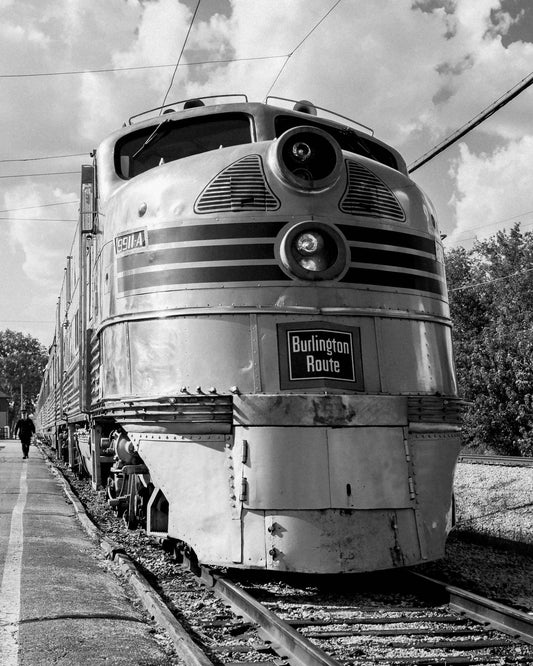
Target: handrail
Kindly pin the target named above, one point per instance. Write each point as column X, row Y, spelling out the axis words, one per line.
column 183, row 101
column 321, row 108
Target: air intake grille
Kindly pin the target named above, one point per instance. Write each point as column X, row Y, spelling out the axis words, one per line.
column 435, row 409
column 240, row 187
column 367, row 195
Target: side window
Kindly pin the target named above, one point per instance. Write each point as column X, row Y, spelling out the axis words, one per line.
column 171, row 140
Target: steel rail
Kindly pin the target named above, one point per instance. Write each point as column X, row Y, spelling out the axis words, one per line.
column 502, row 618
column 289, row 643
column 285, row 640
column 508, row 461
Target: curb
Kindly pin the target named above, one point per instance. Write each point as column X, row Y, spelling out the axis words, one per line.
column 150, row 599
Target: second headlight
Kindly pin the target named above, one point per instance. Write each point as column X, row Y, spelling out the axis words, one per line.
column 312, row 250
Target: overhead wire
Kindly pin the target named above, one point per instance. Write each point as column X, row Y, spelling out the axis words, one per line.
column 45, row 205
column 505, row 219
column 289, row 56
column 47, row 173
column 142, row 67
column 181, row 53
column 483, row 284
column 176, row 66
column 27, row 321
column 35, row 219
column 475, row 237
column 46, row 157
column 491, row 109
column 492, row 224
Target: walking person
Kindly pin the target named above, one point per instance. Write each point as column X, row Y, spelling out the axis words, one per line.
column 24, row 429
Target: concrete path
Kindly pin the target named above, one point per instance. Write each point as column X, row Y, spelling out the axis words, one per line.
column 59, row 603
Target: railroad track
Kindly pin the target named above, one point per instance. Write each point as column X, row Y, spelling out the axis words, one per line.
column 399, row 626
column 507, row 461
column 381, row 618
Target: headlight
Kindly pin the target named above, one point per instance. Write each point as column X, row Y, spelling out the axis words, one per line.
column 306, row 158
column 313, row 251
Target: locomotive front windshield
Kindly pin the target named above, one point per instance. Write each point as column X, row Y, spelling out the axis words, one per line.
column 346, row 138
column 172, row 140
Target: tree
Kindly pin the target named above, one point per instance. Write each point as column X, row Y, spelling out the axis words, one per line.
column 22, row 361
column 491, row 302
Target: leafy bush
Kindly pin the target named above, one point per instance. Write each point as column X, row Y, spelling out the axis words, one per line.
column 491, row 302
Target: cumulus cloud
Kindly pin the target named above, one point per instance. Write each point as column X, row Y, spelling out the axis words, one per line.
column 415, row 70
column 42, row 242
column 480, row 207
column 398, row 67
column 22, row 35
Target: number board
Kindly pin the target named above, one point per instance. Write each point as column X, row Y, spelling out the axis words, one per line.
column 320, row 354
column 133, row 240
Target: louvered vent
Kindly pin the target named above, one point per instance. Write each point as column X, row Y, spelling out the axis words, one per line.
column 367, row 195
column 240, row 187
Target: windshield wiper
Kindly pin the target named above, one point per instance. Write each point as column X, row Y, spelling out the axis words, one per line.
column 155, row 134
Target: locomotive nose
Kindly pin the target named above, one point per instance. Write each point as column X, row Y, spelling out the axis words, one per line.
column 306, row 158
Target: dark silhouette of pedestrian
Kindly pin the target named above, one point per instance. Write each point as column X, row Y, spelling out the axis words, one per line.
column 25, row 429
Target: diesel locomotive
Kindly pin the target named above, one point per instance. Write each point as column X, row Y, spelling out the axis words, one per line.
column 253, row 344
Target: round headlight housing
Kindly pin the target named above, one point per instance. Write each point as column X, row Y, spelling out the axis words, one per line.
column 313, row 251
column 306, row 158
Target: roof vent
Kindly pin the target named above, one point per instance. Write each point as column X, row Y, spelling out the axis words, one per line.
column 303, row 106
column 193, row 103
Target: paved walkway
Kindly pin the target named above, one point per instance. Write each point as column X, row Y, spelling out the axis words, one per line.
column 59, row 603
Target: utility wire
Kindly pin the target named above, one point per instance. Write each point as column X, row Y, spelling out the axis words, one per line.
column 48, row 157
column 81, row 71
column 500, row 279
column 459, row 241
column 463, row 240
column 523, row 225
column 36, row 219
column 129, row 69
column 32, row 175
column 467, row 127
column 491, row 224
column 45, row 205
column 26, row 321
column 181, row 54
column 289, row 56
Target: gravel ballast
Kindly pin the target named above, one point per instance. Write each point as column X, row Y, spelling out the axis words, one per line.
column 495, row 500
column 490, row 550
column 501, row 572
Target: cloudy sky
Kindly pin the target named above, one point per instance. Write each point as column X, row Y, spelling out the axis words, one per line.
column 415, row 70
